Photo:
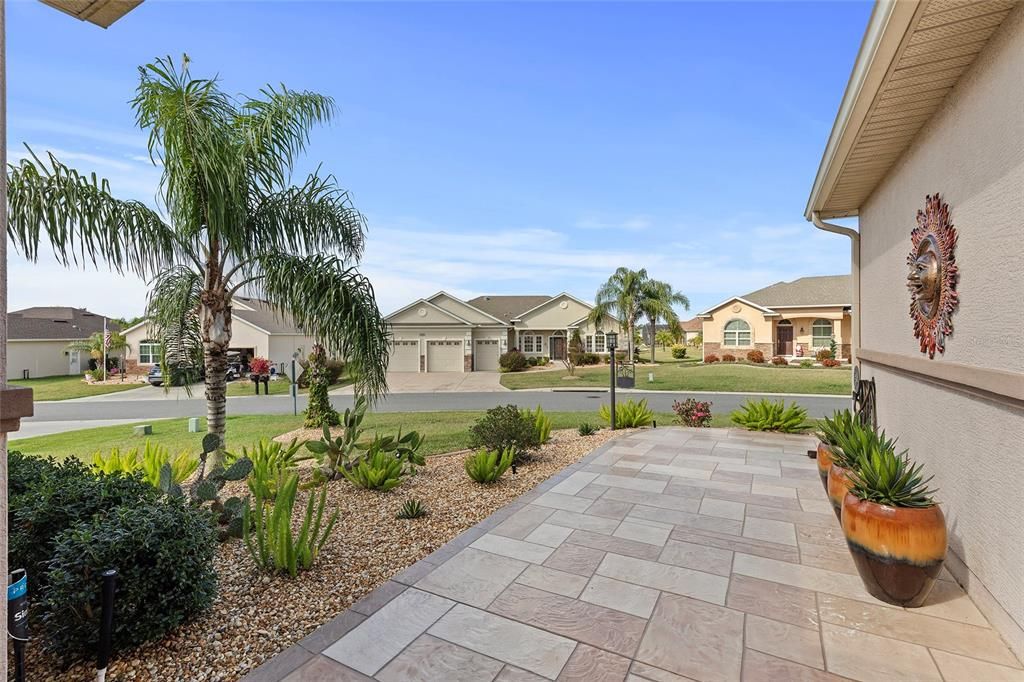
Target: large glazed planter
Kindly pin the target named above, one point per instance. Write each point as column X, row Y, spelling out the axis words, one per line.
column 824, row 462
column 898, row 551
column 837, row 486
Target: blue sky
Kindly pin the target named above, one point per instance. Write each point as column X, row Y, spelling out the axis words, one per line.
column 495, row 148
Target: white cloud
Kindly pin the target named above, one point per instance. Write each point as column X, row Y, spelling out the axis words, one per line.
column 635, row 223
column 136, row 139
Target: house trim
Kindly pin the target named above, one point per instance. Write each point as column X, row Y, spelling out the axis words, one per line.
column 423, row 301
column 766, row 311
column 471, row 307
column 520, row 316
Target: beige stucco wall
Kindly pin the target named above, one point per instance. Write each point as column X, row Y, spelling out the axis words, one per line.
column 459, row 308
column 41, row 359
column 804, row 320
column 553, row 316
column 972, row 152
column 423, row 314
column 760, row 326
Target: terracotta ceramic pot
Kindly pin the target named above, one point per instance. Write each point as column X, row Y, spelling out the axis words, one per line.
column 837, row 486
column 898, row 550
column 824, row 462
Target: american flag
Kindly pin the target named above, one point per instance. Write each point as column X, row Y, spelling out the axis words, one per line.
column 106, row 338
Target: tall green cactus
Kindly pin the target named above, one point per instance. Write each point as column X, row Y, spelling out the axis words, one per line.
column 334, row 454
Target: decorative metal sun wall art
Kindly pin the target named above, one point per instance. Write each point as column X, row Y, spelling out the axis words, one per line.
column 933, row 276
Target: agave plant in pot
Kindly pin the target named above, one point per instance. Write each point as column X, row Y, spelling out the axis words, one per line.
column 851, row 446
column 829, row 433
column 894, row 528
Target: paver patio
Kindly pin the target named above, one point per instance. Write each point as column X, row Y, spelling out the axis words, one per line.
column 666, row 554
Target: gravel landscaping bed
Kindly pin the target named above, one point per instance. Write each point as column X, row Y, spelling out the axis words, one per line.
column 256, row 616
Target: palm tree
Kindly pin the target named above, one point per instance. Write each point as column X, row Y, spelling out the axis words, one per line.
column 233, row 221
column 665, row 338
column 94, row 346
column 620, row 298
column 657, row 302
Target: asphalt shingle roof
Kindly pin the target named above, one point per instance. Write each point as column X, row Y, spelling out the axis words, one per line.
column 55, row 323
column 507, row 308
column 265, row 316
column 831, row 289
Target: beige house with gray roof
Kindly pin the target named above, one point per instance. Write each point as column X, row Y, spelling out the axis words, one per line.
column 443, row 333
column 38, row 338
column 792, row 319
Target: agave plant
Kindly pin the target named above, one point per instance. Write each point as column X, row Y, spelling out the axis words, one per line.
column 629, row 415
column 487, row 466
column 152, row 462
column 765, row 415
column 377, row 471
column 853, row 445
column 887, row 478
column 831, row 429
column 587, row 429
column 411, row 509
column 271, row 462
column 541, row 424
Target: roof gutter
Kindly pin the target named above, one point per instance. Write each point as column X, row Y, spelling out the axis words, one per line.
column 854, row 274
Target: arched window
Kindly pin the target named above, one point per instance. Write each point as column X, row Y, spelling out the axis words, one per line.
column 736, row 333
column 821, row 333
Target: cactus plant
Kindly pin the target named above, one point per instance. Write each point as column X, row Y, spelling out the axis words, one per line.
column 411, row 509
column 487, row 466
column 334, row 454
column 227, row 514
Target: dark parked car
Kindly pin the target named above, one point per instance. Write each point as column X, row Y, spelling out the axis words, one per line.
column 178, row 375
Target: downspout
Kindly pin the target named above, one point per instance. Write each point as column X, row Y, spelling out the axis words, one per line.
column 854, row 273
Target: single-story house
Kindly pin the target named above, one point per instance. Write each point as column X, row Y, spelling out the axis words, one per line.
column 257, row 330
column 688, row 330
column 38, row 338
column 792, row 319
column 927, row 153
column 691, row 328
column 443, row 333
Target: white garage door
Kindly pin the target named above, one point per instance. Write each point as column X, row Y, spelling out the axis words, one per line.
column 486, row 355
column 405, row 356
column 444, row 356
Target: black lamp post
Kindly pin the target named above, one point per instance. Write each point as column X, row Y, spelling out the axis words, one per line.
column 611, row 339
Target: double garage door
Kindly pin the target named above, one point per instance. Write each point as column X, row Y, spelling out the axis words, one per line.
column 443, row 356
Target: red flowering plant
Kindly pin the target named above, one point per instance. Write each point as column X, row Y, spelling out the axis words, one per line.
column 692, row 412
column 259, row 366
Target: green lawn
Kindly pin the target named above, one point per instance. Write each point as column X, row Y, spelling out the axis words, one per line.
column 242, row 387
column 445, row 431
column 66, row 387
column 692, row 376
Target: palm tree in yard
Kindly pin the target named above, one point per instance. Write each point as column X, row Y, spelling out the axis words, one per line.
column 229, row 219
column 620, row 298
column 94, row 346
column 657, row 302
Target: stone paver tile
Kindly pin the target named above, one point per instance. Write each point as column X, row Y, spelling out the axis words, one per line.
column 911, row 626
column 512, row 674
column 687, row 519
column 662, row 501
column 697, row 557
column 827, row 520
column 595, row 524
column 473, row 577
column 956, row 668
column 756, row 469
column 694, row 639
column 695, row 462
column 772, row 490
column 821, row 536
column 641, row 484
column 675, row 579
column 548, row 535
column 817, row 504
column 828, row 556
column 575, row 559
column 588, row 664
column 585, row 622
column 783, row 640
column 429, row 659
column 781, row 532
column 379, row 638
column 522, row 523
column 625, row 467
column 733, row 477
column 948, row 600
column 553, row 580
column 566, row 502
column 515, row 549
column 759, row 667
column 641, row 672
column 611, row 509
column 737, row 544
column 684, row 487
column 524, row 646
column 866, row 657
column 805, row 484
column 413, row 573
column 681, row 472
column 279, row 666
column 324, row 669
column 592, row 492
column 642, row 532
column 621, row 596
column 576, row 482
column 380, row 596
column 807, row 577
column 723, row 508
column 761, row 500
column 331, row 631
column 607, row 543
column 790, row 604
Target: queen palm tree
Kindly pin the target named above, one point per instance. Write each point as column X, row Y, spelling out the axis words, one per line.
column 94, row 346
column 620, row 298
column 657, row 302
column 233, row 221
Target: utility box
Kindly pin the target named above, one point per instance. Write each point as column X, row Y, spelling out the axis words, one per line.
column 193, row 424
column 142, row 430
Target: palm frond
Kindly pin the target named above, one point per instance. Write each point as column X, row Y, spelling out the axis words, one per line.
column 335, row 305
column 172, row 310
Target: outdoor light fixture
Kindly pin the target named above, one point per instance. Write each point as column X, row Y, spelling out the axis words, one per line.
column 610, row 342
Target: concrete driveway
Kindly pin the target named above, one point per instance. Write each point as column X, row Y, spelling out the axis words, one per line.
column 439, row 382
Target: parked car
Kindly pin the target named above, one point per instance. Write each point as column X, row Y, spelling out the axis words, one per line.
column 178, row 375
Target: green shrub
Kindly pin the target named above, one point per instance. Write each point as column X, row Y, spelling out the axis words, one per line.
column 502, row 428
column 628, row 415
column 532, row 361
column 378, row 470
column 270, row 538
column 163, row 551
column 334, row 454
column 151, row 463
column 765, row 415
column 411, row 509
column 678, row 352
column 587, row 429
column 319, row 411
column 543, row 360
column 512, row 361
column 487, row 466
column 541, row 424
column 271, row 462
column 806, row 364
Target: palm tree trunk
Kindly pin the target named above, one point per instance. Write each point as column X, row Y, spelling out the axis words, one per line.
column 216, row 320
column 654, row 327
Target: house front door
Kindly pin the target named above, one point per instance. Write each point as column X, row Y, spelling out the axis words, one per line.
column 784, row 339
column 558, row 348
